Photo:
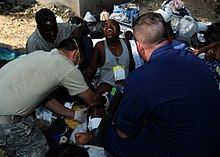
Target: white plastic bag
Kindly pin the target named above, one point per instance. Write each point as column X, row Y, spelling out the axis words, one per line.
column 201, row 26
column 44, row 116
column 59, row 19
column 166, row 16
column 188, row 27
column 175, row 23
column 89, row 17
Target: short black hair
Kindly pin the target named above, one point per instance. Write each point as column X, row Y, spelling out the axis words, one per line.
column 69, row 44
column 75, row 20
column 44, row 15
column 128, row 35
column 212, row 34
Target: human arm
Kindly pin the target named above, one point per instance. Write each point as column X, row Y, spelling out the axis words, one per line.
column 83, row 138
column 92, row 99
column 206, row 48
column 33, row 43
column 94, row 63
column 96, row 125
column 121, row 134
column 74, row 82
column 58, row 108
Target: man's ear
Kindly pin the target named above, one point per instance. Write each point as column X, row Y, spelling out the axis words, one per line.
column 74, row 52
column 140, row 48
column 73, row 56
column 70, row 55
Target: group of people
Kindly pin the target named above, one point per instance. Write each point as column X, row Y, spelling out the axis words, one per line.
column 169, row 106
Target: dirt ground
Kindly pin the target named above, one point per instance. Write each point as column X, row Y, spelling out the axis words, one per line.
column 17, row 20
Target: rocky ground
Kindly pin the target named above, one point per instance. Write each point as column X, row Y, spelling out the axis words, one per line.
column 17, row 22
column 17, row 19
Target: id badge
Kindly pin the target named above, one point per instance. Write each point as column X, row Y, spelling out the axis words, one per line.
column 119, row 73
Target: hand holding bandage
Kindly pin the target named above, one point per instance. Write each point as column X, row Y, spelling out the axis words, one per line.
column 81, row 115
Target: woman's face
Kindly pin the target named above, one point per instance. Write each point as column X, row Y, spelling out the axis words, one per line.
column 111, row 29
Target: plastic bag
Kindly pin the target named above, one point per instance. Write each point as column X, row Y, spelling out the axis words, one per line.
column 96, row 29
column 44, row 115
column 89, row 17
column 7, row 54
column 166, row 16
column 188, row 27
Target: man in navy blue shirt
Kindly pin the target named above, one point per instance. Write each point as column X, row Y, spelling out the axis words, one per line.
column 170, row 106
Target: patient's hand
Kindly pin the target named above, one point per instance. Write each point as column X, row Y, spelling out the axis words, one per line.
column 121, row 134
column 196, row 52
column 83, row 138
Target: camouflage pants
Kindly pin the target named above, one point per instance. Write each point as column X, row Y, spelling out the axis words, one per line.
column 23, row 139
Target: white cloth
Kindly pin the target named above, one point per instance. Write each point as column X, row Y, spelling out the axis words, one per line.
column 95, row 151
column 137, row 58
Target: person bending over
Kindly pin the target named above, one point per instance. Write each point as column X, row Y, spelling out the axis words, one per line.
column 28, row 81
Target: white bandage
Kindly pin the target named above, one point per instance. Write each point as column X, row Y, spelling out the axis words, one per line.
column 107, row 100
column 94, row 123
column 63, row 140
column 81, row 115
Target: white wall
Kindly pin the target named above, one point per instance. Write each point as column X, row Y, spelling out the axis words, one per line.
column 80, row 7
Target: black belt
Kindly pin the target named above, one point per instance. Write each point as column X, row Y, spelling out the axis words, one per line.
column 10, row 119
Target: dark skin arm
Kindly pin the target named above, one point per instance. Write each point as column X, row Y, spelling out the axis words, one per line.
column 56, row 107
column 207, row 47
column 84, row 138
column 88, row 96
column 98, row 59
column 121, row 134
column 91, row 98
column 212, row 51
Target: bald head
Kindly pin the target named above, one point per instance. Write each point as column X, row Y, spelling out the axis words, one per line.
column 149, row 28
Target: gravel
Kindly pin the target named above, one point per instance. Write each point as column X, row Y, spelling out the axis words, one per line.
column 17, row 19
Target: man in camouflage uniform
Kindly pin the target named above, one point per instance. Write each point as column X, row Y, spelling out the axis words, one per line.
column 26, row 82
